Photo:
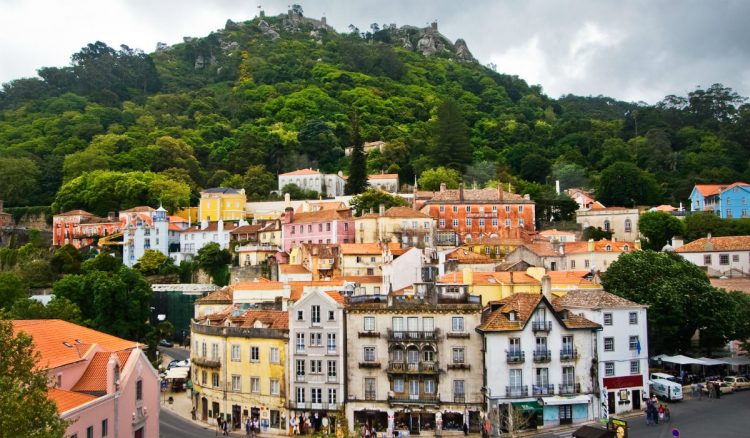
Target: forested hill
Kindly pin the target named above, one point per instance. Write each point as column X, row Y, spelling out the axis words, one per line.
column 119, row 127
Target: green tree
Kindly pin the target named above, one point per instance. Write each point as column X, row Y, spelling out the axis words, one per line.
column 12, row 288
column 295, row 192
column 431, row 179
column 25, row 409
column 357, row 182
column 57, row 308
column 452, row 147
column 624, row 184
column 701, row 224
column 596, row 234
column 214, row 260
column 165, row 329
column 258, row 183
column 658, row 228
column 154, row 262
column 66, row 260
column 371, row 199
column 677, row 292
column 535, row 167
column 18, row 180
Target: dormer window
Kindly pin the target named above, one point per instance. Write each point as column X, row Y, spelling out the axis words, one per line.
column 626, row 247
column 608, row 247
column 512, row 316
column 564, row 315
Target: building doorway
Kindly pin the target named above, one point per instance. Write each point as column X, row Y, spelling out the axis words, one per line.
column 636, row 395
column 611, row 402
column 204, row 409
column 236, row 417
column 566, row 414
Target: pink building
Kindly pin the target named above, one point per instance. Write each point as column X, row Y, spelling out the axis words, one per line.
column 322, row 226
column 104, row 383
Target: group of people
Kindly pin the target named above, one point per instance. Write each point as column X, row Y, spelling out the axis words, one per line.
column 307, row 425
column 712, row 388
column 370, row 431
column 656, row 412
column 252, row 427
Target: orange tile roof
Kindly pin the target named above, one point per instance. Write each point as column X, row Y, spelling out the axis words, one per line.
column 275, row 319
column 569, row 277
column 360, row 248
column 523, row 305
column 725, row 243
column 76, row 213
column 709, row 189
column 51, row 336
column 592, row 299
column 301, row 172
column 405, row 212
column 221, row 296
column 321, row 215
column 336, row 296
column 138, row 209
column 665, row 208
column 556, row 232
column 367, row 279
column 292, row 269
column 599, row 246
column 257, row 285
column 542, row 249
column 383, row 176
column 477, row 195
column 485, row 278
column 94, row 379
column 328, row 205
column 297, row 287
column 67, row 400
column 467, row 256
column 212, row 226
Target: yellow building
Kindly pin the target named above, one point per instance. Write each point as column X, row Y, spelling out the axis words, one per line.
column 397, row 224
column 494, row 247
column 360, row 259
column 222, row 203
column 494, row 286
column 239, row 362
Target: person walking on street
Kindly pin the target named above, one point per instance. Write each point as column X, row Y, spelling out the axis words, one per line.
column 710, row 389
column 248, row 425
column 718, row 390
column 693, row 386
column 700, row 391
column 667, row 414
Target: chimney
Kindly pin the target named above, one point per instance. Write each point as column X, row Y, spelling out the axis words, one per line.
column 381, row 210
column 677, row 242
column 500, row 191
column 110, row 215
column 461, row 191
column 547, row 287
column 708, row 236
column 468, row 276
column 590, row 247
column 287, row 201
column 288, row 215
column 442, row 187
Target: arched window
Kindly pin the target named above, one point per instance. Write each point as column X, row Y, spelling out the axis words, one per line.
column 608, row 247
column 606, row 225
column 628, row 225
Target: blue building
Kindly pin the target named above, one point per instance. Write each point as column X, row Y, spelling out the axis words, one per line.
column 726, row 201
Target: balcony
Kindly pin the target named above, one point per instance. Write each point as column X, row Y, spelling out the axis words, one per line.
column 459, row 398
column 514, row 356
column 516, row 391
column 312, row 406
column 300, row 349
column 300, row 378
column 568, row 354
column 542, row 389
column 369, row 395
column 420, row 367
column 206, row 362
column 369, row 364
column 541, row 356
column 413, row 335
column 569, row 389
column 368, row 334
column 541, row 326
column 332, row 379
column 459, row 366
column 414, row 398
column 459, row 335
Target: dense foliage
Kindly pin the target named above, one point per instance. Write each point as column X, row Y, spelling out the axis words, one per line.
column 118, row 128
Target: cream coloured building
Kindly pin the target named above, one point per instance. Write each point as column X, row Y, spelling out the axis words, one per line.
column 621, row 221
column 414, row 360
column 360, row 258
column 400, row 224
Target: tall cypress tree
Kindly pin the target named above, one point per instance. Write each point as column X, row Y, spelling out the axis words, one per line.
column 357, row 182
column 452, row 146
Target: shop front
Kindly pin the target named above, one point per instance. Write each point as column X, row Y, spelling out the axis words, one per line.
column 562, row 410
column 527, row 414
column 371, row 418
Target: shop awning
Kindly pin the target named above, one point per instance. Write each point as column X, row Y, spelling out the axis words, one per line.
column 177, row 373
column 711, row 362
column 531, row 406
column 742, row 360
column 565, row 400
column 679, row 359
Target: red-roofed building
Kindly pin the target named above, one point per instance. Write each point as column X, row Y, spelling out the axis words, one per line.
column 725, row 200
column 721, row 256
column 98, row 380
column 323, row 226
column 81, row 228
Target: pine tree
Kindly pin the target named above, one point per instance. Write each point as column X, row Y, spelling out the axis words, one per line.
column 357, row 182
column 452, row 146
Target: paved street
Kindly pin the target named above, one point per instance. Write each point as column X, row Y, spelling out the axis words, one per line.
column 175, row 353
column 172, row 425
column 724, row 418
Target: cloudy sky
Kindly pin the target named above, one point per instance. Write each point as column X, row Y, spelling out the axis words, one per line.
column 636, row 50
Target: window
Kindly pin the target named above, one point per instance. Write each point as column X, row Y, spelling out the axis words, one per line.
column 606, row 225
column 254, row 354
column 215, row 351
column 481, row 222
column 204, row 377
column 369, row 388
column 521, row 223
column 514, row 346
column 369, row 354
column 369, row 323
column 215, row 380
column 331, row 315
column 331, row 368
column 609, row 344
column 572, row 264
column 309, row 228
column 428, row 355
column 90, row 432
column 139, row 389
column 300, row 395
column 586, row 263
column 707, row 259
column 607, row 319
column 300, row 315
column 735, row 258
column 455, row 209
column 520, row 208
column 315, row 314
column 235, row 353
column 275, row 387
column 609, row 368
column 458, row 324
column 300, row 342
column 316, row 395
column 494, row 222
column 316, row 339
column 105, row 427
column 507, row 208
column 442, row 208
column 458, row 389
column 455, row 222
column 300, row 367
column 441, row 223
column 635, row 367
column 468, row 222
column 331, row 396
column 633, row 318
column 468, row 209
column 316, row 367
column 273, row 355
column 331, row 343
column 429, row 386
column 346, row 226
column 458, row 355
column 398, row 385
column 628, row 225
column 237, row 383
column 507, row 223
column 328, row 226
column 633, row 343
column 723, row 259
column 320, row 227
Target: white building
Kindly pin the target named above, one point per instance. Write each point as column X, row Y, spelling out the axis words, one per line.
column 328, row 185
column 622, row 346
column 401, row 268
column 317, row 368
column 537, row 363
column 142, row 231
column 722, row 256
column 384, row 181
column 195, row 238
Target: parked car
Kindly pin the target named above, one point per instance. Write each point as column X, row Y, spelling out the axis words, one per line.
column 664, row 386
column 737, row 383
column 165, row 343
column 172, row 364
column 724, row 387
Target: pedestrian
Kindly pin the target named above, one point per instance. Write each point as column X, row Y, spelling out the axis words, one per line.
column 661, row 412
column 366, row 431
column 710, row 389
column 717, row 386
column 248, row 426
column 693, row 386
column 395, row 432
column 192, row 413
column 700, row 391
column 225, row 427
column 654, row 411
column 292, row 426
column 649, row 419
column 667, row 414
column 466, row 429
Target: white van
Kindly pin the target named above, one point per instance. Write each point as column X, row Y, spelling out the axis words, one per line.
column 664, row 386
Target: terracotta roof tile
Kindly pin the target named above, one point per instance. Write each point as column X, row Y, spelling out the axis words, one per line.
column 221, row 296
column 709, row 189
column 366, row 279
column 212, row 226
column 360, row 248
column 138, row 209
column 75, row 213
column 592, row 299
column 405, row 212
column 599, row 246
column 725, row 243
column 383, row 176
column 257, row 285
column 56, row 340
column 275, row 319
column 524, row 304
column 490, row 278
column 94, row 379
column 301, row 172
column 67, row 400
column 569, row 277
column 321, row 215
column 336, row 296
column 476, row 195
column 467, row 256
column 292, row 269
column 297, row 287
column 247, row 229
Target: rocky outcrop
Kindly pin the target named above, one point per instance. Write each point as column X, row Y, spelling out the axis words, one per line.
column 462, row 51
column 268, row 31
column 430, row 44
